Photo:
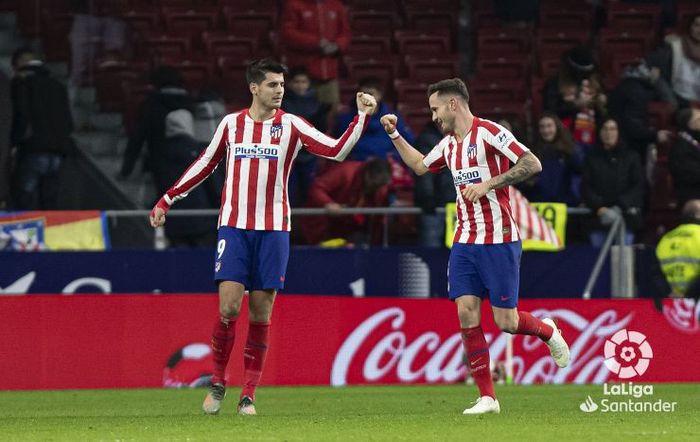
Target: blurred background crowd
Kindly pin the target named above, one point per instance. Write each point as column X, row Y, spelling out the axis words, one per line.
column 110, row 100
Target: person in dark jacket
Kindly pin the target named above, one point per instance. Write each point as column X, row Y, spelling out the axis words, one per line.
column 40, row 133
column 169, row 95
column 301, row 99
column 432, row 191
column 561, row 165
column 374, row 142
column 612, row 183
column 629, row 103
column 684, row 158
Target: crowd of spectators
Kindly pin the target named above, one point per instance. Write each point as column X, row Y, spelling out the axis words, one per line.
column 594, row 137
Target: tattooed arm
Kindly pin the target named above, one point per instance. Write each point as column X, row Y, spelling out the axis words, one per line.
column 526, row 166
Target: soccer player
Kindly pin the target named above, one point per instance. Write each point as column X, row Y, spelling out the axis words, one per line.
column 259, row 145
column 485, row 257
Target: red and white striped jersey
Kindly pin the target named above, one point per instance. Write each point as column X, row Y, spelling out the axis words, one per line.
column 486, row 151
column 259, row 157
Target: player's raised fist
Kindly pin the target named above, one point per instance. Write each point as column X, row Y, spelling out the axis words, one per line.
column 158, row 213
column 366, row 103
column 389, row 122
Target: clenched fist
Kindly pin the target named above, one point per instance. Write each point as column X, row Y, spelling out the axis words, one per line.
column 389, row 122
column 366, row 103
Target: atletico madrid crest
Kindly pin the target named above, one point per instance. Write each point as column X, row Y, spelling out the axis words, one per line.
column 276, row 133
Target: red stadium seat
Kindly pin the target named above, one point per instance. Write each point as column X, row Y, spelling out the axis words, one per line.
column 195, row 73
column 625, row 16
column 496, row 42
column 550, row 66
column 579, row 18
column 416, row 117
column 369, row 45
column 232, row 76
column 110, row 81
column 430, row 70
column 495, row 111
column 189, row 22
column 385, row 68
column 54, row 36
column 422, row 43
column 615, row 43
column 373, row 22
column 431, row 19
column 249, row 5
column 371, row 5
column 251, row 24
column 410, row 92
column 504, row 67
column 142, row 21
column 487, row 20
column 551, row 43
column 167, row 45
column 223, row 43
column 484, row 89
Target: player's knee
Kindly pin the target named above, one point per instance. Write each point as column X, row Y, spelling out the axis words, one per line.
column 229, row 309
column 469, row 316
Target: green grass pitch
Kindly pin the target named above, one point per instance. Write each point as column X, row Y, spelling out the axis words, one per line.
column 379, row 413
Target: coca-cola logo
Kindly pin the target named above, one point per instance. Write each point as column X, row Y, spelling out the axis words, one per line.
column 683, row 315
column 379, row 355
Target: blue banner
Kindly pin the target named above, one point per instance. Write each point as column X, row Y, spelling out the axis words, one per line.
column 414, row 272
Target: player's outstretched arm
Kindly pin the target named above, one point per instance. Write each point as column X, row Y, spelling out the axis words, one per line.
column 409, row 154
column 322, row 145
column 526, row 166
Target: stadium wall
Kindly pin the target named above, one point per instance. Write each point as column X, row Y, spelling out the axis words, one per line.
column 117, row 341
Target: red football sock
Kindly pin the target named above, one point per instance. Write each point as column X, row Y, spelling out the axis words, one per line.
column 529, row 325
column 221, row 344
column 477, row 351
column 254, row 356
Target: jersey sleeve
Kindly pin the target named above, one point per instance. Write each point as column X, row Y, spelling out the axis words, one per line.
column 503, row 141
column 203, row 166
column 322, row 145
column 435, row 160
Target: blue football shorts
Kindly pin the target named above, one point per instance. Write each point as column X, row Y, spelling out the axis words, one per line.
column 485, row 269
column 255, row 258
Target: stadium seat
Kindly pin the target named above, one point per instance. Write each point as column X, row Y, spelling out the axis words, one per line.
column 430, row 70
column 626, row 16
column 369, row 45
column 430, row 19
column 249, row 5
column 54, row 35
column 615, row 43
column 141, row 20
column 195, row 73
column 250, row 24
column 552, row 43
column 504, row 67
column 497, row 42
column 110, row 81
column 410, row 92
column 167, row 45
column 416, row 117
column 385, row 68
column 371, row 5
column 189, row 22
column 495, row 111
column 557, row 18
column 372, row 22
column 223, row 43
column 484, row 89
column 422, row 43
column 486, row 19
column 348, row 89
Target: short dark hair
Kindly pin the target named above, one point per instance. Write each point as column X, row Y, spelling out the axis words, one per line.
column 372, row 82
column 376, row 173
column 255, row 73
column 19, row 53
column 454, row 86
column 298, row 70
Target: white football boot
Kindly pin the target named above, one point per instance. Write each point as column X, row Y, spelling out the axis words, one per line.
column 212, row 403
column 485, row 404
column 557, row 345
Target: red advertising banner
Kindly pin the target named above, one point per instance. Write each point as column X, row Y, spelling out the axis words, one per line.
column 108, row 341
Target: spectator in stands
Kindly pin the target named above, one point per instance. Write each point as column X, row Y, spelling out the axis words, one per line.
column 629, row 102
column 301, row 99
column 679, row 62
column 432, row 191
column 40, row 134
column 96, row 35
column 168, row 95
column 314, row 34
column 679, row 253
column 209, row 109
column 576, row 96
column 684, row 158
column 348, row 184
column 5, row 111
column 374, row 143
column 182, row 149
column 612, row 183
column 561, row 166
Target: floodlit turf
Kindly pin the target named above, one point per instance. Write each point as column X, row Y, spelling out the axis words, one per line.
column 351, row 413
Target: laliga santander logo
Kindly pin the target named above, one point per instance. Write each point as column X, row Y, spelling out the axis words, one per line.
column 627, row 354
